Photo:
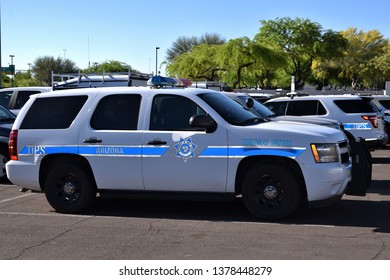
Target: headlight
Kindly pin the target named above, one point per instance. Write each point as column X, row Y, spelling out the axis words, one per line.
column 325, row 152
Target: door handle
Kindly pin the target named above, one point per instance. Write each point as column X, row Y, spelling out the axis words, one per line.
column 92, row 140
column 156, row 142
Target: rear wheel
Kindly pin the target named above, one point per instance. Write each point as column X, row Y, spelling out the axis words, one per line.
column 69, row 188
column 271, row 191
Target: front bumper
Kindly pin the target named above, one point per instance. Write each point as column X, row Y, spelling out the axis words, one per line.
column 326, row 182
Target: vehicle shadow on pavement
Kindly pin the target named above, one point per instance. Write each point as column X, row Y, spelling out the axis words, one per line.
column 350, row 211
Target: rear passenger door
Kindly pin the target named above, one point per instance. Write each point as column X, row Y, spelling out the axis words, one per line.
column 111, row 142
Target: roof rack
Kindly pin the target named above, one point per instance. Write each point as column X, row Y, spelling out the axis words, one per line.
column 104, row 79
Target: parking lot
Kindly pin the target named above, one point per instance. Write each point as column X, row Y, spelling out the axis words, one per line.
column 354, row 228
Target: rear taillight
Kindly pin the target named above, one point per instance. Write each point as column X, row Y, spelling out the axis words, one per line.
column 13, row 144
column 373, row 120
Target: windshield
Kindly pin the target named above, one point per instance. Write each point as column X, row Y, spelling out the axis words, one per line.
column 229, row 110
column 385, row 103
column 259, row 109
column 6, row 115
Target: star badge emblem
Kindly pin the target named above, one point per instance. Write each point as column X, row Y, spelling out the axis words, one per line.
column 185, row 148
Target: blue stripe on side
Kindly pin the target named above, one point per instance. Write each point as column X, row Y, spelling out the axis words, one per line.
column 238, row 152
column 132, row 151
column 47, row 150
column 357, row 126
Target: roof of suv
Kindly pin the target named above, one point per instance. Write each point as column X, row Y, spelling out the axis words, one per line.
column 318, row 97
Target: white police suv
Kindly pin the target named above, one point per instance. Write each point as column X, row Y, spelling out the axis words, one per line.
column 357, row 114
column 170, row 142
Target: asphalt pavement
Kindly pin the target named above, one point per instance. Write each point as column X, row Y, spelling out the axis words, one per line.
column 355, row 228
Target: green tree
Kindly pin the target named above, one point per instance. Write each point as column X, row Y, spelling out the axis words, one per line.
column 110, row 66
column 185, row 44
column 43, row 66
column 199, row 64
column 361, row 56
column 6, row 81
column 246, row 62
column 301, row 41
column 25, row 79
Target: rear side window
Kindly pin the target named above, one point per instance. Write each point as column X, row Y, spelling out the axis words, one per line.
column 117, row 112
column 53, row 112
column 5, row 97
column 23, row 97
column 306, row 108
column 352, row 106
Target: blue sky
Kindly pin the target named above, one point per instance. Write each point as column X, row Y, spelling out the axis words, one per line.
column 130, row 30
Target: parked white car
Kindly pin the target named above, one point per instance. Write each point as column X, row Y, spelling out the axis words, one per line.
column 14, row 98
column 356, row 113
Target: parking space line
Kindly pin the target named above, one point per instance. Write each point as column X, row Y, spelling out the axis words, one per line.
column 16, row 197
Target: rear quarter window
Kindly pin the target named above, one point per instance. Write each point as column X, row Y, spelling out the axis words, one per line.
column 353, row 106
column 23, row 97
column 53, row 112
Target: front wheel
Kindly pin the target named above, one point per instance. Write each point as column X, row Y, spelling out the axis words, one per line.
column 69, row 189
column 271, row 191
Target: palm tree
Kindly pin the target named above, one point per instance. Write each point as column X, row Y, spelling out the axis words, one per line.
column 43, row 66
column 185, row 44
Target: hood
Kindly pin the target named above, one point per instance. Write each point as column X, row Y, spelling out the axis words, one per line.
column 310, row 120
column 298, row 133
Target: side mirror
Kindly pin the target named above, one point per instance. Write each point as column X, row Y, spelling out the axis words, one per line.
column 203, row 121
column 249, row 103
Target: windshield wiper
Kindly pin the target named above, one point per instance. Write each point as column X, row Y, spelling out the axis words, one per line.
column 251, row 121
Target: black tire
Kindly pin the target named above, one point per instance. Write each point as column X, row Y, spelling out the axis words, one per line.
column 69, row 189
column 4, row 158
column 271, row 191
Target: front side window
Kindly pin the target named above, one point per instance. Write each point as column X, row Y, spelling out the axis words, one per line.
column 53, row 112
column 173, row 112
column 279, row 108
column 305, row 108
column 117, row 112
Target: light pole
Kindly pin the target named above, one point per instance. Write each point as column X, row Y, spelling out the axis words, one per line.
column 157, row 48
column 12, row 64
column 29, row 69
column 64, row 53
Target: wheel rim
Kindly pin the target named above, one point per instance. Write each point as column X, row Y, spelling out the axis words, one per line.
column 67, row 188
column 3, row 161
column 269, row 193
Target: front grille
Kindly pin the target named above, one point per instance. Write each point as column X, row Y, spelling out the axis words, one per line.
column 344, row 151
